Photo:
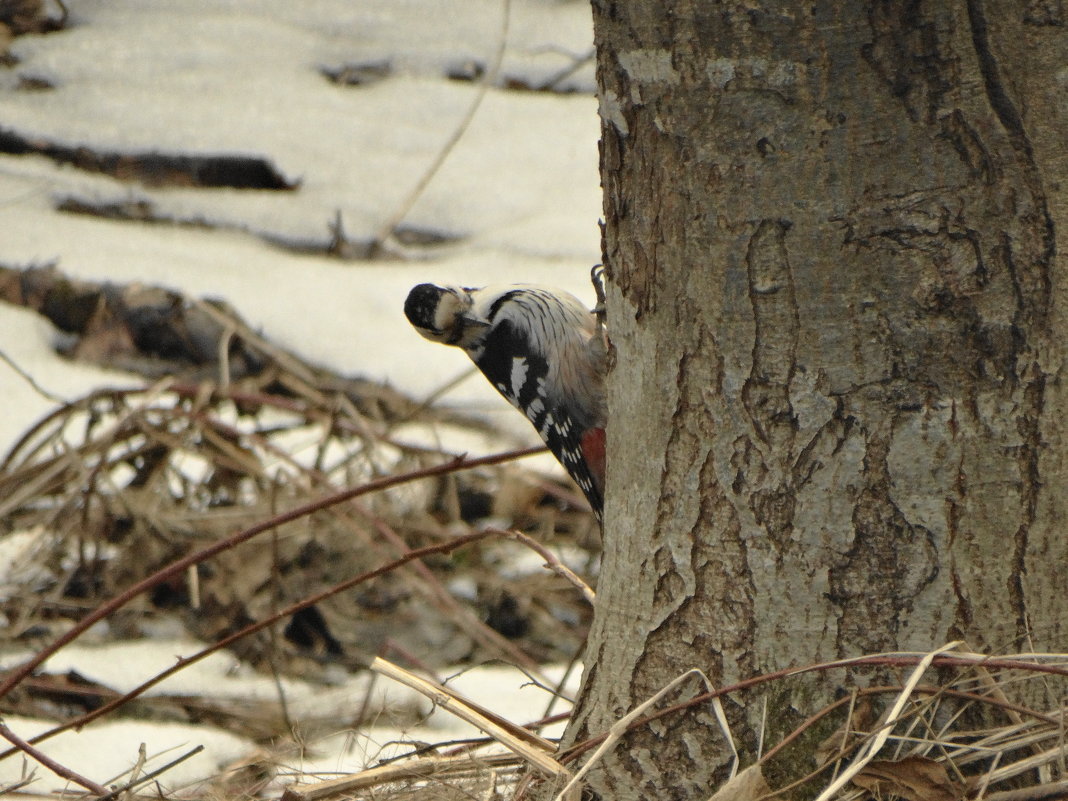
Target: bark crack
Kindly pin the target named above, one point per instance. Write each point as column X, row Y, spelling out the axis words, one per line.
column 890, row 562
column 1030, row 429
column 766, row 393
column 766, row 464
column 1033, row 276
column 999, row 99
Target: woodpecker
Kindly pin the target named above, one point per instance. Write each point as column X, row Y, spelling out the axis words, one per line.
column 543, row 350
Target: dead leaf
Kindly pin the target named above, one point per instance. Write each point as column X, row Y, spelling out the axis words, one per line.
column 748, row 785
column 915, row 778
column 861, row 721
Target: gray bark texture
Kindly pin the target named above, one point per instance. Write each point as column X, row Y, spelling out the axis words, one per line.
column 837, row 309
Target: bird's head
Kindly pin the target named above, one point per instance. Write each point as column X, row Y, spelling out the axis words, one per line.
column 443, row 314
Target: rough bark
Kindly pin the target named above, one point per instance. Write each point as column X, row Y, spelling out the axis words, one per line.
column 836, row 303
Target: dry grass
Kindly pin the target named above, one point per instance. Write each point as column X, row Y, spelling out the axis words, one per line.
column 158, row 473
column 947, row 733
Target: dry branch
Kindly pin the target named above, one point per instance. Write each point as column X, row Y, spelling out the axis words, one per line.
column 535, row 750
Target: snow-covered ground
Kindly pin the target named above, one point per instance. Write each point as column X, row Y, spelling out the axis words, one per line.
column 520, row 189
column 517, row 198
column 105, row 750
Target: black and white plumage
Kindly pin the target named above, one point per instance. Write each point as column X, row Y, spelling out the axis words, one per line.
column 543, row 350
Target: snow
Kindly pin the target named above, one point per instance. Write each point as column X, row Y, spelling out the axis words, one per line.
column 519, row 193
column 107, row 748
column 110, row 749
column 520, row 188
column 26, row 339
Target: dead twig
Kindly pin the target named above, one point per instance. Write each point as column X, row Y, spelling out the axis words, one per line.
column 628, row 721
column 386, row 774
column 136, row 782
column 554, row 564
column 488, row 79
column 177, row 567
column 29, row 379
column 180, row 664
column 532, row 748
column 48, row 762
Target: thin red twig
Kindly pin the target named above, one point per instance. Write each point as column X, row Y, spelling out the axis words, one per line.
column 921, row 689
column 886, row 660
column 180, row 565
column 51, row 764
column 183, row 662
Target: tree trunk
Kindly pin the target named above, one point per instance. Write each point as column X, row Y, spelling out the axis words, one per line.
column 837, row 408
